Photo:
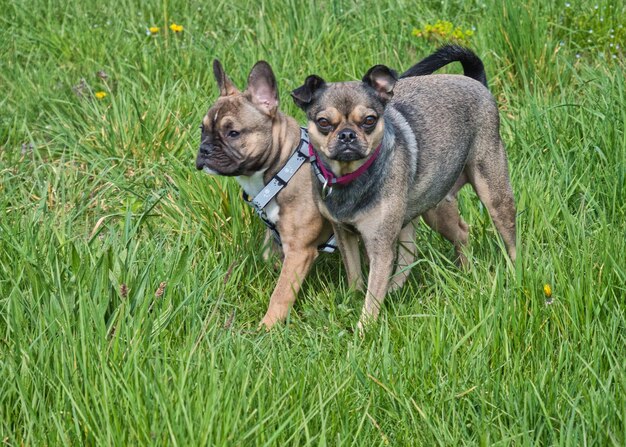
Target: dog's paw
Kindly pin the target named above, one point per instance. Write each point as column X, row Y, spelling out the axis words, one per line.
column 268, row 322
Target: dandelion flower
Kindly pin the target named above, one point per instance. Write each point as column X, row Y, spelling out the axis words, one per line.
column 100, row 95
column 547, row 290
column 176, row 28
column 154, row 29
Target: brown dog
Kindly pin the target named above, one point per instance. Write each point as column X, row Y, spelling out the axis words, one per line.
column 244, row 135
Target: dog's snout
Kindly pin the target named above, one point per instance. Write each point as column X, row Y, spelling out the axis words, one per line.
column 347, row 136
column 204, row 152
column 205, row 149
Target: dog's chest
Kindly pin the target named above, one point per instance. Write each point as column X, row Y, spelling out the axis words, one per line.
column 252, row 185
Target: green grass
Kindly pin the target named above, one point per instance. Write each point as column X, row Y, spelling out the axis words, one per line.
column 97, row 196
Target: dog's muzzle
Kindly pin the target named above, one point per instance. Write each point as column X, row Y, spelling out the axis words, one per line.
column 348, row 152
column 203, row 153
column 347, row 147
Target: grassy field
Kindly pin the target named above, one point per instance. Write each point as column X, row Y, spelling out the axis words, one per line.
column 131, row 285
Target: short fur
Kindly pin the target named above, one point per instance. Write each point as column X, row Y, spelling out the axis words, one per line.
column 438, row 133
column 265, row 140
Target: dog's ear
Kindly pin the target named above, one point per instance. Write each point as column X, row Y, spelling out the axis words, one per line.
column 262, row 87
column 225, row 85
column 382, row 79
column 303, row 95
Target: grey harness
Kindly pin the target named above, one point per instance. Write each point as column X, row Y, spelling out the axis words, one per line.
column 277, row 183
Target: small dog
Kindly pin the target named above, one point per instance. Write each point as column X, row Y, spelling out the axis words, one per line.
column 245, row 136
column 406, row 146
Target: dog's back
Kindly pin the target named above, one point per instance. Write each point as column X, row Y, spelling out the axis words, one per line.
column 447, row 116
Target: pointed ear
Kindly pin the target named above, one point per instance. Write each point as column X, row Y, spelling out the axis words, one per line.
column 303, row 95
column 262, row 87
column 382, row 79
column 225, row 85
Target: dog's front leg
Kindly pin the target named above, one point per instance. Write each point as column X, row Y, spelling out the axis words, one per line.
column 381, row 248
column 298, row 261
column 349, row 247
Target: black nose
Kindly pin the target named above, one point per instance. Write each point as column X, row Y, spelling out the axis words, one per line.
column 346, row 136
column 205, row 149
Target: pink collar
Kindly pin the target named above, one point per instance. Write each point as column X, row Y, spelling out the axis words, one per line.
column 332, row 179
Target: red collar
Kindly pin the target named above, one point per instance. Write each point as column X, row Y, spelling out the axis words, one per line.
column 332, row 179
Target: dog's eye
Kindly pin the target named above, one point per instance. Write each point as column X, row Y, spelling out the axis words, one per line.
column 323, row 123
column 369, row 121
column 233, row 134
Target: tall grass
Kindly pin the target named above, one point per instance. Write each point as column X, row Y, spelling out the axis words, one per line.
column 131, row 285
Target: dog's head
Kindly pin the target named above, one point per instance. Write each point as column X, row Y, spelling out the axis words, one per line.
column 346, row 118
column 237, row 129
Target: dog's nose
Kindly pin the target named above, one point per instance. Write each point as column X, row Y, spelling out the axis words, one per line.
column 347, row 136
column 205, row 149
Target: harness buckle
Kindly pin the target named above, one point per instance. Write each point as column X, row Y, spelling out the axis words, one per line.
column 326, row 190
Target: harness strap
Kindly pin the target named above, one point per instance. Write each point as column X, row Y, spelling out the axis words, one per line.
column 277, row 183
column 280, row 180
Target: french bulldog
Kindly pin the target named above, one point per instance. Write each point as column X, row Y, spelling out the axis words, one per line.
column 245, row 136
column 405, row 146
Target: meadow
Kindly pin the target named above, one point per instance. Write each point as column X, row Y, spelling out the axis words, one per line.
column 131, row 285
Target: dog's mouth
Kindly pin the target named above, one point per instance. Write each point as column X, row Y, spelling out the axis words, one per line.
column 348, row 152
column 211, row 167
column 349, row 155
column 216, row 162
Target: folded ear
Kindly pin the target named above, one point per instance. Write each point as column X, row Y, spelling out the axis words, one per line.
column 382, row 79
column 225, row 85
column 303, row 95
column 262, row 87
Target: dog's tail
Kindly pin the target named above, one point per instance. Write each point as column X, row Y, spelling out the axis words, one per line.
column 472, row 65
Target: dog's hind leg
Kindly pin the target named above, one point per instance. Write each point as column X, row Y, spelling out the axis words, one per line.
column 446, row 220
column 489, row 176
column 407, row 253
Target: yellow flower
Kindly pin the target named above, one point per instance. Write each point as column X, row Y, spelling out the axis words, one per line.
column 176, row 28
column 443, row 30
column 100, row 95
column 547, row 290
column 154, row 29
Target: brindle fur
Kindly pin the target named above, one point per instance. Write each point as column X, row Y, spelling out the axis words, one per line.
column 438, row 133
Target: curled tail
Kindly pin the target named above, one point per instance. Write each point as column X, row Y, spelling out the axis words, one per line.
column 472, row 65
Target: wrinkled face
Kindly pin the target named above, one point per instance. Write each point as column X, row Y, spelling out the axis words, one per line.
column 235, row 137
column 346, row 118
column 345, row 121
column 237, row 130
